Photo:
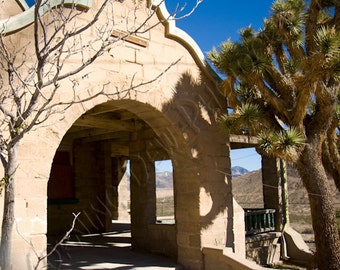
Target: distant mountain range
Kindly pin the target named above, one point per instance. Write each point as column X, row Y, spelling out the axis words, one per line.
column 247, row 190
column 164, row 179
column 237, row 171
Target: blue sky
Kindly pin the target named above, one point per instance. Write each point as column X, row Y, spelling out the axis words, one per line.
column 213, row 22
column 30, row 2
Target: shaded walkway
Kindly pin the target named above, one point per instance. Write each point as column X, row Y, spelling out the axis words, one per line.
column 106, row 251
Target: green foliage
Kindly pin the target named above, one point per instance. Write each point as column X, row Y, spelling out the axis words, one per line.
column 289, row 139
column 266, row 141
column 338, row 113
column 284, row 143
column 291, row 70
column 282, row 69
column 288, row 17
column 287, row 6
column 328, row 42
column 241, row 59
column 250, row 115
column 247, row 33
column 292, row 66
column 243, row 92
column 227, row 123
column 247, row 120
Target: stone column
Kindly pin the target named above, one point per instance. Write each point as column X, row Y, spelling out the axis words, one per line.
column 143, row 199
column 123, row 192
column 273, row 177
column 109, row 190
column 216, row 199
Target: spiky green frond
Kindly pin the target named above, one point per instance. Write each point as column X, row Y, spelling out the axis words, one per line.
column 266, row 142
column 245, row 120
column 270, row 33
column 292, row 65
column 214, row 57
column 227, row 123
column 329, row 3
column 228, row 46
column 324, row 17
column 284, row 143
column 241, row 59
column 293, row 6
column 335, row 70
column 246, row 33
column 250, row 114
column 281, row 69
column 288, row 16
column 222, row 56
column 328, row 42
column 338, row 112
column 245, row 93
column 288, row 140
column 260, row 60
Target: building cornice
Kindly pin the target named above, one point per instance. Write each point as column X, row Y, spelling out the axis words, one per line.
column 180, row 36
column 22, row 20
column 17, row 22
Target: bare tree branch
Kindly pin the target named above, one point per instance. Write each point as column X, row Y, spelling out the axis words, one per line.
column 54, row 248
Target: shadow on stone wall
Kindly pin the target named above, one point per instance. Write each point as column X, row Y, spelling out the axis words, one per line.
column 195, row 108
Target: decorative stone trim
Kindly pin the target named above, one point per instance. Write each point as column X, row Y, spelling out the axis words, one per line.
column 17, row 22
column 23, row 4
column 177, row 34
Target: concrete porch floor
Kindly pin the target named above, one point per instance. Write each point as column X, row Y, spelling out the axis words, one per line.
column 106, row 251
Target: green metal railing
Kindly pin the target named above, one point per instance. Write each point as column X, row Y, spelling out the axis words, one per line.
column 259, row 220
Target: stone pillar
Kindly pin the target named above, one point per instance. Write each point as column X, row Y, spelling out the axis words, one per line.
column 29, row 232
column 272, row 188
column 239, row 230
column 187, row 212
column 120, row 193
column 123, row 192
column 143, row 199
column 93, row 178
column 30, row 208
column 109, row 191
column 216, row 201
column 115, row 183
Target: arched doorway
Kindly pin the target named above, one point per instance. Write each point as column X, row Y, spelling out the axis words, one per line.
column 89, row 168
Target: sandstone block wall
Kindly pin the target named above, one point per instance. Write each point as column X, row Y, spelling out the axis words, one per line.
column 180, row 107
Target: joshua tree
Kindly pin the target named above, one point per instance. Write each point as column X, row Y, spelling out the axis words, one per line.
column 282, row 84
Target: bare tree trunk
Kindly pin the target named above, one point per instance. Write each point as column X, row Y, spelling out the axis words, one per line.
column 8, row 214
column 323, row 214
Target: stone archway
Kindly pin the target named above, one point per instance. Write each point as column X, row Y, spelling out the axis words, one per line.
column 177, row 116
column 87, row 163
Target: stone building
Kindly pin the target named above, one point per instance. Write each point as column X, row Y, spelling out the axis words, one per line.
column 75, row 161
